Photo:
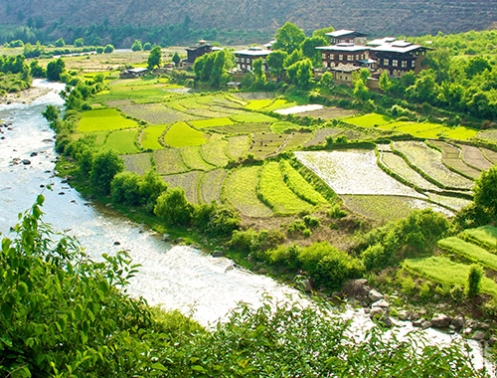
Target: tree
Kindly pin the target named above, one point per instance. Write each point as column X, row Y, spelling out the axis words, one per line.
column 176, row 59
column 293, row 58
column 361, row 91
column 79, row 42
column 485, row 193
column 288, row 38
column 322, row 32
column 147, row 46
column 326, row 82
column 308, row 48
column 37, row 70
column 174, row 208
column 384, row 82
column 105, row 166
column 55, row 69
column 154, row 58
column 108, row 49
column 304, row 74
column 476, row 66
column 136, row 46
column 259, row 74
column 275, row 61
column 59, row 43
column 474, row 280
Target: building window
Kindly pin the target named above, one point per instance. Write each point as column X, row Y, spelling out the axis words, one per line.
column 243, row 66
column 404, row 64
column 324, row 56
column 395, row 62
column 340, row 57
column 385, row 62
column 413, row 63
column 350, row 58
column 237, row 59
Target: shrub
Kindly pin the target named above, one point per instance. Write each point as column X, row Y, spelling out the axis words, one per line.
column 174, row 208
column 216, row 220
column 474, row 280
column 311, row 221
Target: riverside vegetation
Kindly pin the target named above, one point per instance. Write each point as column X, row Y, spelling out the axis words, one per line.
column 223, row 163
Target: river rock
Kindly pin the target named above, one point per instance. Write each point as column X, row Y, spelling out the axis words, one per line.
column 61, row 193
column 26, row 161
column 179, row 240
column 492, row 341
column 478, row 336
column 262, row 271
column 376, row 312
column 375, row 296
column 426, row 324
column 457, row 323
column 418, row 322
column 403, row 315
column 356, row 288
column 388, row 321
column 381, row 304
column 117, row 243
column 307, row 285
column 441, row 321
column 217, row 254
column 33, row 154
column 166, row 237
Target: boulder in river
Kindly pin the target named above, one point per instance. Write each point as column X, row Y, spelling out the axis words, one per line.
column 26, row 161
column 33, row 154
column 375, row 296
column 217, row 254
column 441, row 321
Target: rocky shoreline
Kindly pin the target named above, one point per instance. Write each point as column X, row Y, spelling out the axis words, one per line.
column 24, row 97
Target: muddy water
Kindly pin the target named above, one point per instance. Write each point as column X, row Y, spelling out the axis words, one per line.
column 173, row 276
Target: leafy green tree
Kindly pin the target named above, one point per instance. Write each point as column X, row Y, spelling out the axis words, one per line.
column 361, row 91
column 275, row 61
column 108, row 49
column 308, row 48
column 147, row 46
column 125, row 188
column 424, row 89
column 174, row 208
column 105, row 166
column 154, row 58
column 288, row 38
column 136, row 46
column 293, row 58
column 322, row 32
column 326, row 82
column 176, row 59
column 474, row 280
column 259, row 74
column 384, row 82
column 51, row 113
column 37, row 70
column 79, row 42
column 477, row 65
column 485, row 193
column 55, row 69
column 59, row 43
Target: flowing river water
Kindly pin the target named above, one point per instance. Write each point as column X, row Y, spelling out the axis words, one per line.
column 176, row 277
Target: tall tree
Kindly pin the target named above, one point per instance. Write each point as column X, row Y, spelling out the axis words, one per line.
column 154, row 58
column 288, row 38
column 322, row 32
column 308, row 48
column 105, row 166
column 55, row 69
column 136, row 46
column 275, row 62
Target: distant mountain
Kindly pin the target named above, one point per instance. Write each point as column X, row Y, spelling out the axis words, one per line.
column 377, row 17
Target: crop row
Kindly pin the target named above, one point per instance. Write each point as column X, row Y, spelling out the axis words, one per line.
column 452, row 159
column 469, row 251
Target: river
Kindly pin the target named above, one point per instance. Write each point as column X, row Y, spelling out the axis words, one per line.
column 176, row 277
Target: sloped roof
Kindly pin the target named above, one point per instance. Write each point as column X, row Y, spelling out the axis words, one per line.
column 343, row 47
column 254, row 51
column 345, row 32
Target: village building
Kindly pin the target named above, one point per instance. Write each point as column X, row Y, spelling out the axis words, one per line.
column 347, row 36
column 346, row 54
column 193, row 52
column 133, row 72
column 399, row 57
column 245, row 58
column 342, row 74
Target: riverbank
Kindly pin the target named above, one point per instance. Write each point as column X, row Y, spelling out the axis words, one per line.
column 26, row 96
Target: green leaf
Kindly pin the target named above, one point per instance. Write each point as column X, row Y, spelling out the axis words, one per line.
column 158, row 366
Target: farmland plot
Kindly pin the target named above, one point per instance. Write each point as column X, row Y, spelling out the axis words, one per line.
column 399, row 166
column 238, row 146
column 369, row 120
column 485, row 236
column 103, row 119
column 240, row 190
column 452, row 159
column 255, row 95
column 265, row 144
column 474, row 157
column 123, row 141
column 299, row 109
column 329, row 113
column 213, row 122
column 299, row 185
column 149, row 138
column 282, row 126
column 490, row 155
column 242, row 128
column 258, row 104
column 100, row 136
column 296, row 139
column 211, row 185
column 320, row 135
column 138, row 163
column 252, row 117
column 169, row 161
column 277, row 194
column 430, row 161
column 182, row 135
column 353, row 172
column 454, row 203
column 208, row 113
column 194, row 160
column 188, row 181
column 490, row 135
column 156, row 114
column 469, row 251
column 214, row 151
column 420, row 130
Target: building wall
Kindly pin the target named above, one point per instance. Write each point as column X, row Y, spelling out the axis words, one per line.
column 335, row 58
column 397, row 65
column 245, row 62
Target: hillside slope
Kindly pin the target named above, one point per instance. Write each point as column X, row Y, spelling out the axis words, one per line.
column 378, row 17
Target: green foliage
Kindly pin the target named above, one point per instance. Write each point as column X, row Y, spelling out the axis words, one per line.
column 59, row 43
column 476, row 66
column 55, row 69
column 36, row 70
column 275, row 62
column 176, row 59
column 105, row 166
column 147, row 46
column 213, row 68
column 322, row 32
column 216, row 220
column 474, row 280
column 173, row 207
column 251, row 240
column 308, row 48
column 108, row 49
column 300, row 73
column 137, row 45
column 384, row 81
column 79, row 42
column 485, row 195
column 259, row 74
column 288, row 38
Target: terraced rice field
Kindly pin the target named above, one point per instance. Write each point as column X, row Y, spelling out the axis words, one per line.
column 214, row 151
column 420, row 130
column 252, row 117
column 182, row 135
column 104, row 119
column 169, row 161
column 459, row 132
column 490, row 155
column 369, row 120
column 320, row 135
column 386, row 208
column 353, row 172
column 138, row 163
column 275, row 193
column 296, row 139
column 259, row 104
column 279, row 104
column 429, row 161
column 329, row 113
column 240, row 189
column 211, row 185
column 474, row 157
column 469, row 251
column 282, row 126
column 149, row 138
column 454, row 203
column 212, row 122
column 452, row 159
column 242, row 128
column 123, row 141
column 399, row 166
column 485, row 236
column 490, row 135
column 299, row 185
column 193, row 159
column 265, row 144
column 156, row 114
column 100, row 136
column 247, row 96
column 446, row 272
column 238, row 146
column 188, row 181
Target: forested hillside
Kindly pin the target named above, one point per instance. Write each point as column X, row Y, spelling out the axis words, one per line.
column 380, row 17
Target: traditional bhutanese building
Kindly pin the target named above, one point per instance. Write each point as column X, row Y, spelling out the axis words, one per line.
column 245, row 58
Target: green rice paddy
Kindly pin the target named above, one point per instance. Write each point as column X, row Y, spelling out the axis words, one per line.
column 103, row 119
column 181, row 135
column 214, row 122
column 123, row 141
column 150, row 137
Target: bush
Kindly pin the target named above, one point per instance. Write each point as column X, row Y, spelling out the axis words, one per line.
column 215, row 220
column 105, row 166
column 174, row 208
column 474, row 280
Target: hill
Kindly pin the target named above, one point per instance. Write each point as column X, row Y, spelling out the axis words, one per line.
column 381, row 17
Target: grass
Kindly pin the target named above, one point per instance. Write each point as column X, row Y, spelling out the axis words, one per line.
column 182, row 135
column 238, row 146
column 240, row 189
column 275, row 193
column 469, row 251
column 138, row 91
column 123, row 141
column 150, row 137
column 252, row 117
column 446, row 272
column 213, row 122
column 138, row 163
column 369, row 120
column 188, row 181
column 169, row 161
column 299, row 185
column 103, row 119
column 214, row 151
column 485, row 236
column 281, row 127
column 194, row 160
column 211, row 185
column 155, row 114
